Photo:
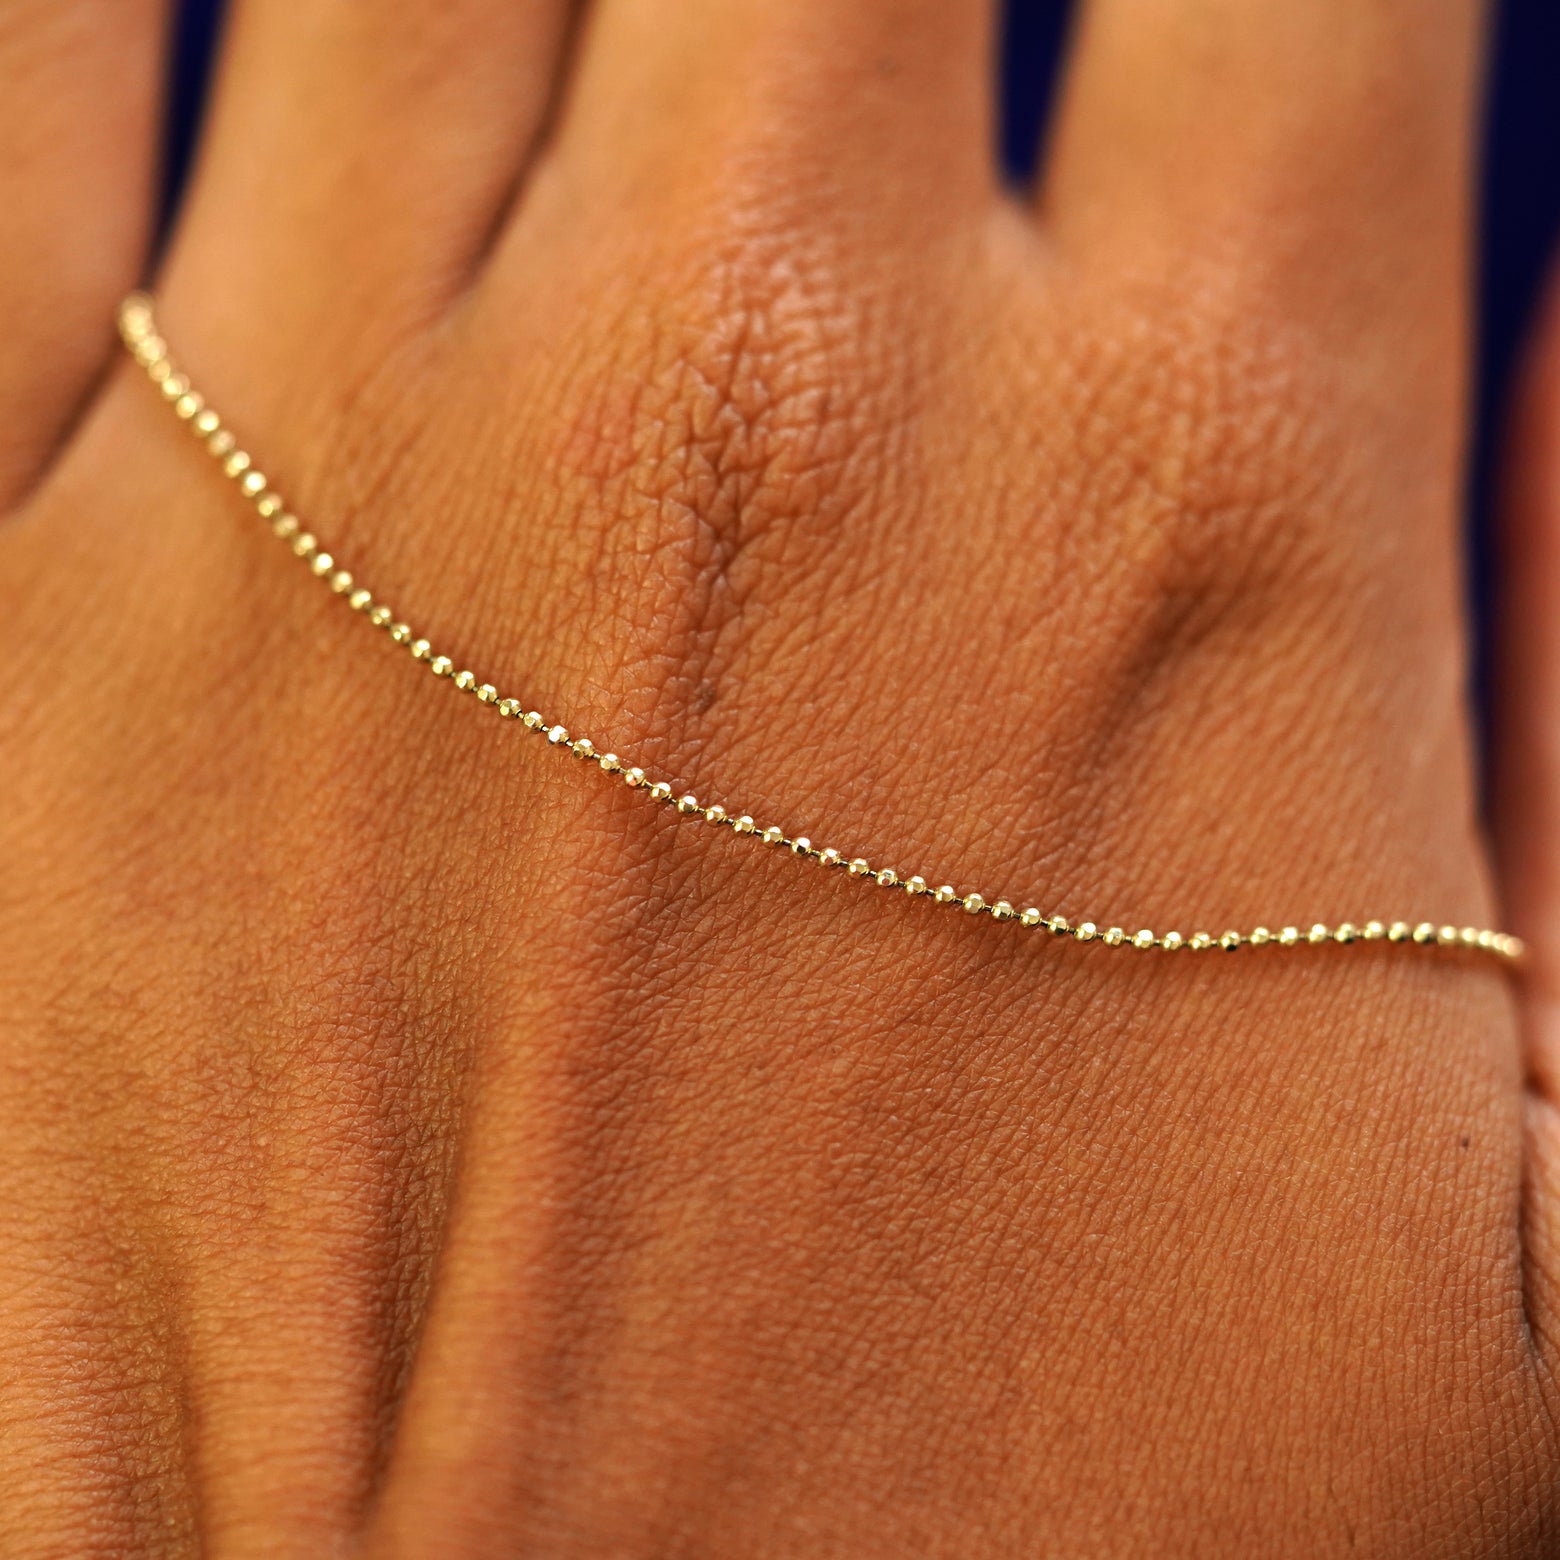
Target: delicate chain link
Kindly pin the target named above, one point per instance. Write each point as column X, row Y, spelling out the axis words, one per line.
column 138, row 327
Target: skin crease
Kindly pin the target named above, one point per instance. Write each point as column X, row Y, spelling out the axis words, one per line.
column 413, row 1144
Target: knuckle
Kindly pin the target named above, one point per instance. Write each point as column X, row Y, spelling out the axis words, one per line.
column 744, row 413
column 1228, row 460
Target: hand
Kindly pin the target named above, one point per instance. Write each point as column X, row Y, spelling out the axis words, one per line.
column 412, row 1143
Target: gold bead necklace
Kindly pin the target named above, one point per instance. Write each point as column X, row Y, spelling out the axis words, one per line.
column 138, row 328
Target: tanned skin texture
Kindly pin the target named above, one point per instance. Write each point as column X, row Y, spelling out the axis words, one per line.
column 413, row 1144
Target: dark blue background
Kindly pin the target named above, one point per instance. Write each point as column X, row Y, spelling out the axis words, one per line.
column 1521, row 194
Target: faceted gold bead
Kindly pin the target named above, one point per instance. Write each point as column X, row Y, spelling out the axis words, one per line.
column 400, row 632
column 1030, row 917
column 221, row 443
column 441, row 666
column 1230, row 941
column 830, row 858
column 887, row 878
column 187, row 405
column 237, row 463
column 1470, row 937
column 715, row 814
column 1374, row 931
column 205, row 423
column 322, row 563
column 634, row 778
column 1424, row 932
column 801, row 846
column 1087, row 932
column 174, row 386
column 341, row 582
column 944, row 894
column 1346, row 933
column 268, row 505
column 533, row 720
column 1261, row 937
column 973, row 904
column 1144, row 939
column 609, row 761
column 1003, row 911
column 585, row 748
column 660, row 792
column 421, row 649
column 360, row 600
column 253, row 484
column 1446, row 936
column 1114, row 937
column 773, row 835
column 915, row 885
column 557, row 734
column 465, row 681
column 1400, row 931
column 285, row 527
column 1487, row 940
column 687, row 803
column 744, row 825
column 1171, row 941
column 1289, row 936
column 1058, row 925
column 860, row 867
column 1318, row 934
column 1200, row 942
column 508, row 708
column 304, row 544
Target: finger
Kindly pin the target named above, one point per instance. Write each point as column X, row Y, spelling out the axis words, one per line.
column 359, row 156
column 1329, row 138
column 882, row 102
column 78, row 122
column 1527, row 789
column 1528, row 753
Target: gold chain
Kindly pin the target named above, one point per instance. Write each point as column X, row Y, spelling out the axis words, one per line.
column 138, row 327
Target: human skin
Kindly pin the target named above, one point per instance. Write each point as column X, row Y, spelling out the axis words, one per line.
column 412, row 1144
